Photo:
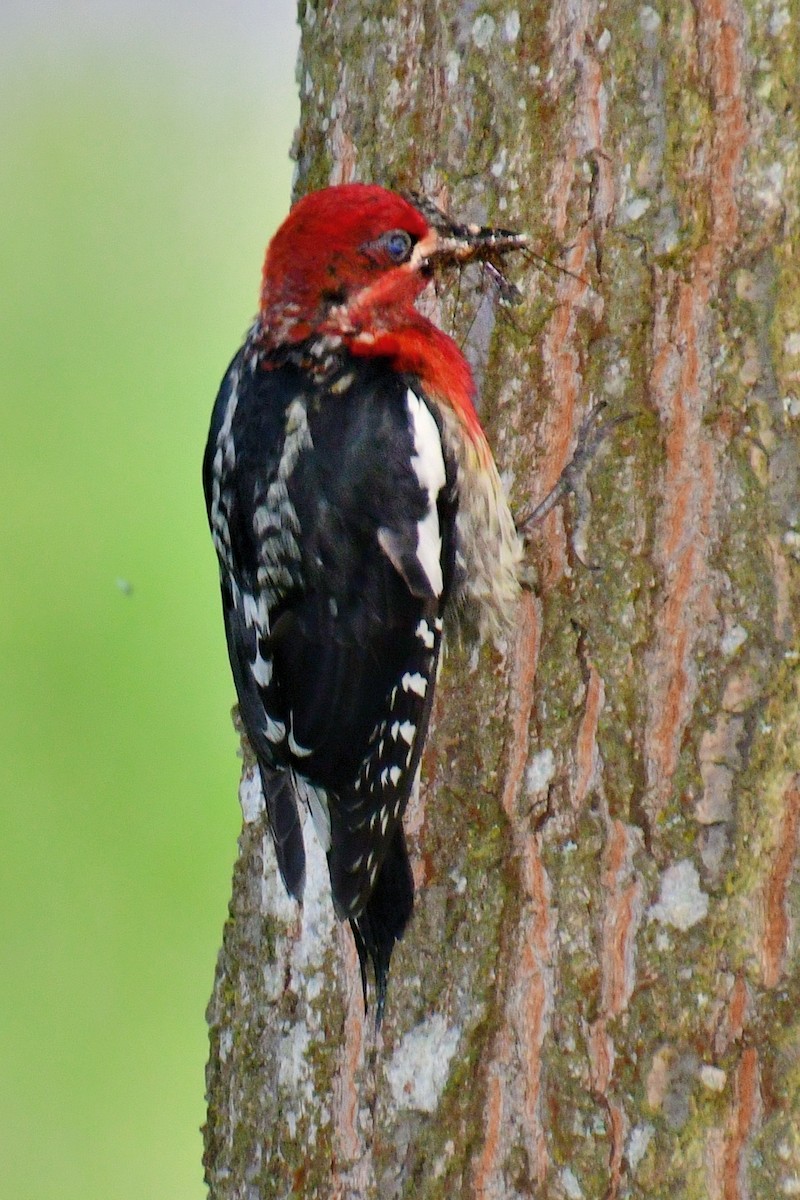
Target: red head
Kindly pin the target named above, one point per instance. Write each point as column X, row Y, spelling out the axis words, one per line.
column 349, row 262
column 334, row 244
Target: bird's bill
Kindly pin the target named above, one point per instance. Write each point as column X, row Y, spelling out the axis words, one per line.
column 450, row 242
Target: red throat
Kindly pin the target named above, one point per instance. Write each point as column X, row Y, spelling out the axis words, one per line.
column 419, row 348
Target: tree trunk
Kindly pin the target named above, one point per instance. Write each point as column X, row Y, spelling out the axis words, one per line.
column 599, row 993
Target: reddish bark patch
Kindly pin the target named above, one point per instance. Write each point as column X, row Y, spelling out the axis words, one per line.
column 623, row 911
column 348, row 1143
column 586, row 752
column 741, row 1126
column 514, row 1072
column 776, row 911
column 487, row 1163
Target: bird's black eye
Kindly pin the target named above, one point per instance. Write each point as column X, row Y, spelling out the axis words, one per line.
column 398, row 245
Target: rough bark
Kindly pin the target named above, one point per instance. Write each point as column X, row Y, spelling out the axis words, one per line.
column 599, row 995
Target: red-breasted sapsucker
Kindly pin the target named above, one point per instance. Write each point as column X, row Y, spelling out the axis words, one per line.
column 353, row 502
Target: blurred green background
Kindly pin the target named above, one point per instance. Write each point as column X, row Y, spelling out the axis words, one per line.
column 143, row 166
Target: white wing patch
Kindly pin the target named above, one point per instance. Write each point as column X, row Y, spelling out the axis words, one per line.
column 295, row 747
column 406, row 731
column 262, row 670
column 224, row 456
column 414, row 683
column 428, row 464
column 273, row 730
column 425, row 634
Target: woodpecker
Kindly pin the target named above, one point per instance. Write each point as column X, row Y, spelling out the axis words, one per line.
column 354, row 505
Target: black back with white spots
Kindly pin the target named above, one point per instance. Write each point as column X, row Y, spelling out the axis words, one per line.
column 332, row 507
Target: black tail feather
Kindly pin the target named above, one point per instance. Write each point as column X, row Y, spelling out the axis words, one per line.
column 286, row 829
column 384, row 918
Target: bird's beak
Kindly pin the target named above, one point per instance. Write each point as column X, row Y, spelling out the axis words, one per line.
column 449, row 243
column 476, row 243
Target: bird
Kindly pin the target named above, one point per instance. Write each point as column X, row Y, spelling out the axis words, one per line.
column 356, row 511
